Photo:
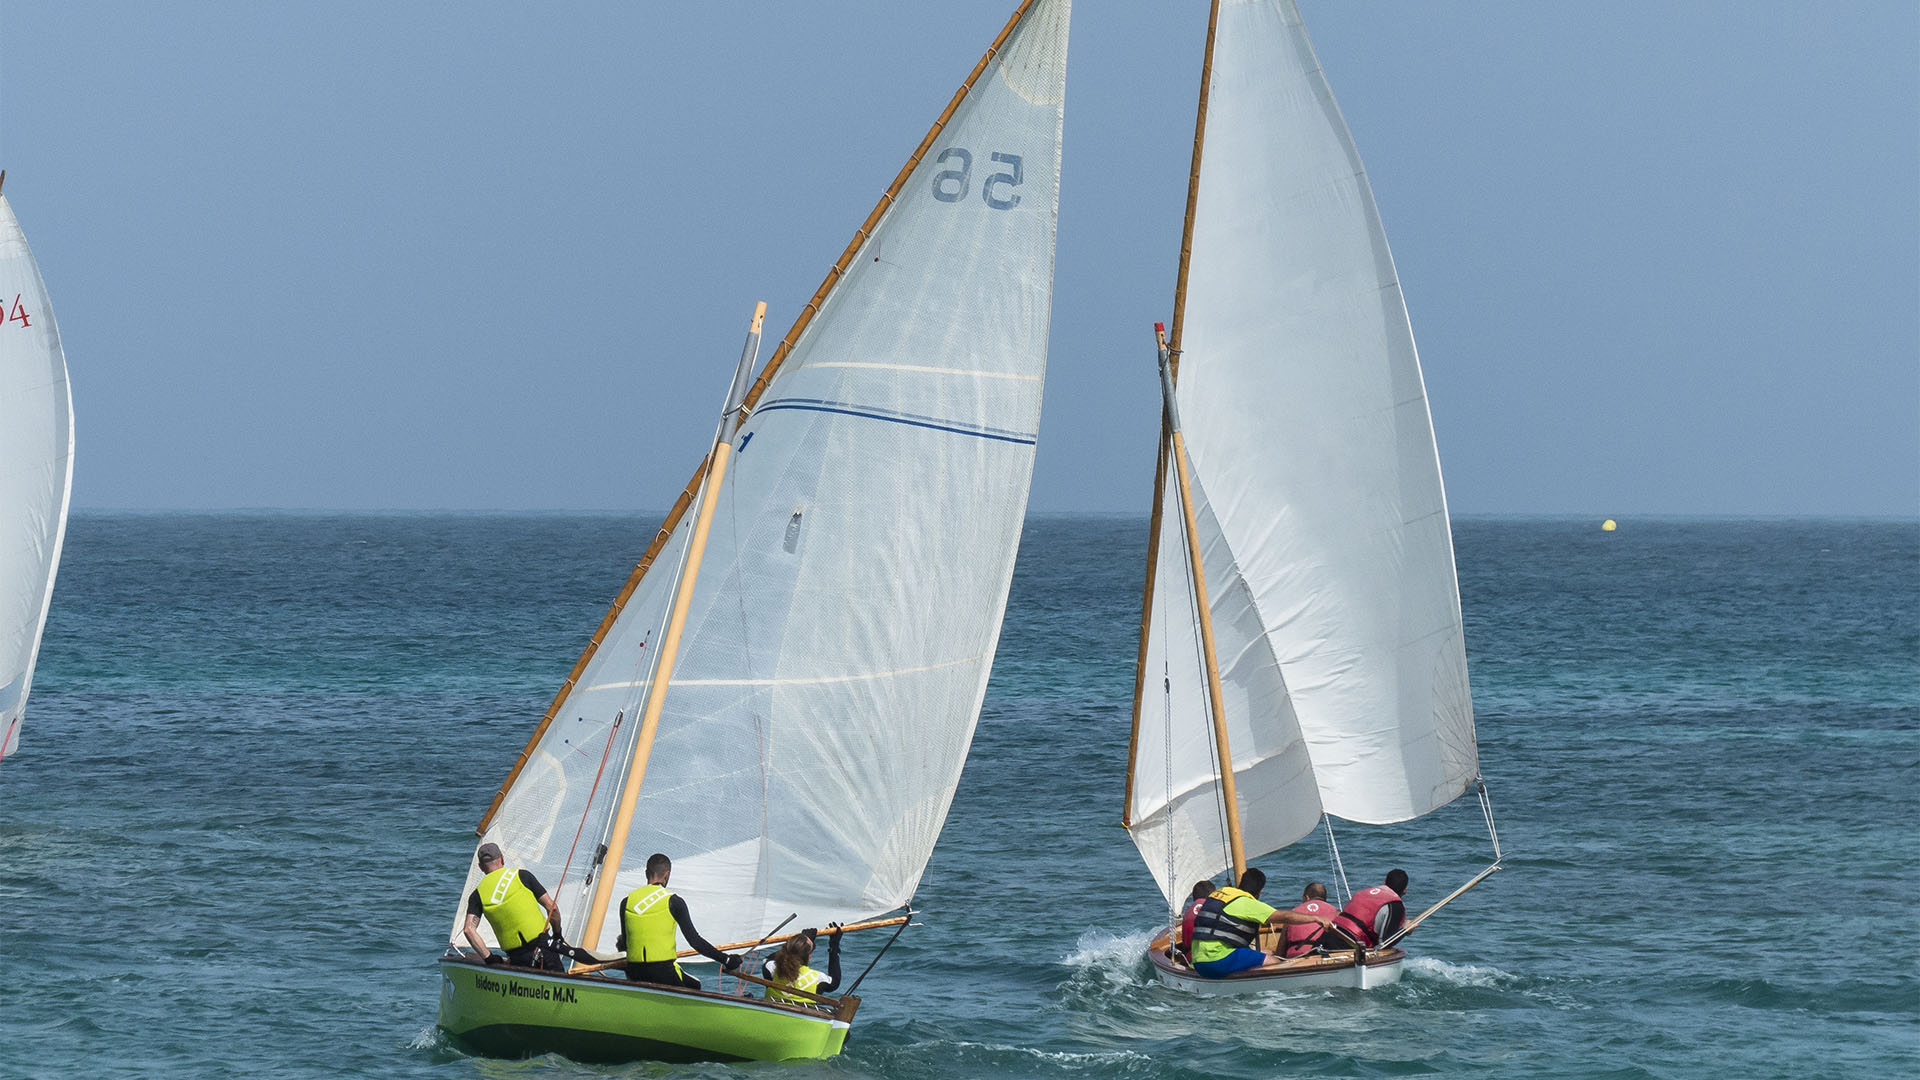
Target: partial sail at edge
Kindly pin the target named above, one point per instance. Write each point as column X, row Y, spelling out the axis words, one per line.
column 36, row 468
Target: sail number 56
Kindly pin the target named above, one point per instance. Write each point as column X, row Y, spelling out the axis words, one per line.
column 952, row 183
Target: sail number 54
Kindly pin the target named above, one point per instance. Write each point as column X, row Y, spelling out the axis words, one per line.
column 17, row 314
column 952, row 183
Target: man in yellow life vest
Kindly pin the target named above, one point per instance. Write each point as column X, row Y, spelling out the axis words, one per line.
column 787, row 969
column 518, row 908
column 648, row 918
column 1228, row 922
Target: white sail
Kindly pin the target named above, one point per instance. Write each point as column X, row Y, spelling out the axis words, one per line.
column 36, row 467
column 1308, row 430
column 1177, row 810
column 846, row 616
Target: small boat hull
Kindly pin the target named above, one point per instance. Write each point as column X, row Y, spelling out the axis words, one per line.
column 1306, row 973
column 519, row 1012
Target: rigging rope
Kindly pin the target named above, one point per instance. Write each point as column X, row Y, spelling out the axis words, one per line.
column 1339, row 868
column 1486, row 807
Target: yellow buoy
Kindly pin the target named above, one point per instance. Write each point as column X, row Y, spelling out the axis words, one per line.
column 1608, row 525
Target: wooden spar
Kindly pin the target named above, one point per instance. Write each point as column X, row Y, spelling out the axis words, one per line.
column 1448, row 899
column 1146, row 612
column 872, row 924
column 1223, row 752
column 753, row 396
column 1193, row 191
column 669, row 650
column 1173, row 345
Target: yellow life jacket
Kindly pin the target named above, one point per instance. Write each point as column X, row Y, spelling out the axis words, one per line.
column 511, row 908
column 805, row 980
column 648, row 924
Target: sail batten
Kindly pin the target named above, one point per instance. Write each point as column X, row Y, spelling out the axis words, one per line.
column 839, row 638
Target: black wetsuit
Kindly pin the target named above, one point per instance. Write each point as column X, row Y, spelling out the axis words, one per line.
column 666, row 972
column 538, row 953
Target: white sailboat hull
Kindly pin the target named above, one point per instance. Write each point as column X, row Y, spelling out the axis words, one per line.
column 1309, row 973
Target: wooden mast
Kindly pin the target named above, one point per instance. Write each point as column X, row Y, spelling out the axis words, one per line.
column 1203, row 606
column 800, row 324
column 669, row 644
column 1173, row 351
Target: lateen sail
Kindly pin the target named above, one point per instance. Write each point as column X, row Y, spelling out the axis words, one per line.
column 844, row 623
column 36, row 467
column 1329, row 556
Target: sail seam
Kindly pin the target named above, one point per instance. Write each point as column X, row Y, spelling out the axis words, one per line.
column 1018, row 376
column 910, row 419
column 817, row 680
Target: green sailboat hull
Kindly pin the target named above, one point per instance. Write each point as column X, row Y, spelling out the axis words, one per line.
column 517, row 1012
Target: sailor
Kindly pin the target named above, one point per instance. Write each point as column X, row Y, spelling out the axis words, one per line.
column 1201, row 890
column 1302, row 938
column 648, row 917
column 787, row 968
column 1374, row 914
column 520, row 911
column 1228, row 923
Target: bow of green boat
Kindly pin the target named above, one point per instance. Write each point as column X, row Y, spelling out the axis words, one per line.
column 502, row 1011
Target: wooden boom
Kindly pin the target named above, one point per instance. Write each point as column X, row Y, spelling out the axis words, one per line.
column 1449, row 898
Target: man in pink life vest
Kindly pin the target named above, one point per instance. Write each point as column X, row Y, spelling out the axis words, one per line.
column 1374, row 914
column 1303, row 937
column 1201, row 890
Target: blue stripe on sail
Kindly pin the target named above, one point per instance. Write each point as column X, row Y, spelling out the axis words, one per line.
column 911, row 419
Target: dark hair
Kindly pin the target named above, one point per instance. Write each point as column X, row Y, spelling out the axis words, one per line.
column 1397, row 881
column 1202, row 889
column 1314, row 891
column 658, row 864
column 1253, row 881
column 792, row 957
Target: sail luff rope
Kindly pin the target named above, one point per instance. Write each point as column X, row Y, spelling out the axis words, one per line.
column 767, row 373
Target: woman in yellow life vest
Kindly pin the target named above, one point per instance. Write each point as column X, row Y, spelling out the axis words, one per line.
column 648, row 918
column 518, row 908
column 788, row 967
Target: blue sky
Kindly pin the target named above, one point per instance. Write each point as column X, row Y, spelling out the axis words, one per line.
column 1661, row 258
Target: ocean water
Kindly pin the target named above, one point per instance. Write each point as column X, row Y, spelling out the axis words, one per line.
column 257, row 746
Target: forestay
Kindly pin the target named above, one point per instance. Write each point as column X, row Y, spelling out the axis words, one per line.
column 1308, row 429
column 845, row 620
column 36, row 467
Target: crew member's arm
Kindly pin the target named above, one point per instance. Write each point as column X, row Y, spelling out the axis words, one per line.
column 833, row 962
column 546, row 901
column 678, row 909
column 1298, row 918
column 472, row 927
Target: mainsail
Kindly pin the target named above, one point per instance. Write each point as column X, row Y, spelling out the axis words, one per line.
column 843, row 626
column 1326, row 544
column 36, row 467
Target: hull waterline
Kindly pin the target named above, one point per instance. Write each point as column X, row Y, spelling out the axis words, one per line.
column 1308, row 973
column 518, row 1012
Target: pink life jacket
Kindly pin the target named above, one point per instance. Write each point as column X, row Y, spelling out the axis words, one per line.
column 1357, row 918
column 1186, row 925
column 1302, row 937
